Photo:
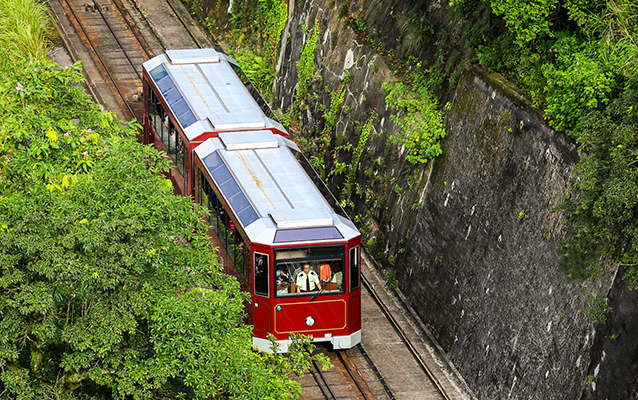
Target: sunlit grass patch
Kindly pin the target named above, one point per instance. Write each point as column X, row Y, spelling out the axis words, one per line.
column 25, row 27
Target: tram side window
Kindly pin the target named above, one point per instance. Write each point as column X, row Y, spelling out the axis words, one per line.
column 240, row 254
column 186, row 169
column 206, row 200
column 261, row 274
column 355, row 262
column 170, row 138
column 223, row 226
column 156, row 113
column 175, row 146
column 216, row 217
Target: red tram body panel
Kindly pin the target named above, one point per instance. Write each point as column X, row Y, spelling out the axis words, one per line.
column 287, row 239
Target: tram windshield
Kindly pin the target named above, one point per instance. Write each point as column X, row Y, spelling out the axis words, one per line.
column 309, row 269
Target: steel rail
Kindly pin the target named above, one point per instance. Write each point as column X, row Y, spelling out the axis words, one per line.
column 354, row 378
column 404, row 338
column 325, row 382
column 128, row 106
column 148, row 25
column 385, row 386
column 179, row 16
column 99, row 9
column 139, row 40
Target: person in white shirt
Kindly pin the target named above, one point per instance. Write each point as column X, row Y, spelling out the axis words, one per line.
column 307, row 280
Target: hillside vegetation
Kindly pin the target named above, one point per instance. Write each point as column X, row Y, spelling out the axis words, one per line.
column 577, row 61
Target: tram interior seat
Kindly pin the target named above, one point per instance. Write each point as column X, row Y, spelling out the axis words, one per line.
column 338, row 278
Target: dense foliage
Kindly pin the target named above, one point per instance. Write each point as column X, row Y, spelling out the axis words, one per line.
column 576, row 59
column 418, row 117
column 257, row 27
column 109, row 286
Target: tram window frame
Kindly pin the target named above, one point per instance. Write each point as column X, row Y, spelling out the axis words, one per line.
column 164, row 125
column 260, row 274
column 316, row 256
column 355, row 267
column 219, row 220
column 157, row 113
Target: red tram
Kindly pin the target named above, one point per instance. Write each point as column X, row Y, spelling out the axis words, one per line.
column 290, row 243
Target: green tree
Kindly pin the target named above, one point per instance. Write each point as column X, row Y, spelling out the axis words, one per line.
column 533, row 20
column 109, row 286
column 529, row 19
column 602, row 211
column 578, row 83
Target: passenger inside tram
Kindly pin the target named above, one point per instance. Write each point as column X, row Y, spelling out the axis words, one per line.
column 283, row 280
column 297, row 277
column 325, row 273
column 307, row 280
column 331, row 278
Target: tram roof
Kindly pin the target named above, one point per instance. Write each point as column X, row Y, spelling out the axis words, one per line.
column 268, row 189
column 204, row 92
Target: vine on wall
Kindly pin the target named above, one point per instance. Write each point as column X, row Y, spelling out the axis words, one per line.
column 354, row 165
column 418, row 117
column 306, row 64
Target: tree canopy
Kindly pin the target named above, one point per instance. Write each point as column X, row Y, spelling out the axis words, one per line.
column 109, row 286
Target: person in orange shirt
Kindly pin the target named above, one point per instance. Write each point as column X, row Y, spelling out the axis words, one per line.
column 325, row 273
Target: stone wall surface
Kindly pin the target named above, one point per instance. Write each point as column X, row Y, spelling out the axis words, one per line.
column 482, row 267
column 471, row 237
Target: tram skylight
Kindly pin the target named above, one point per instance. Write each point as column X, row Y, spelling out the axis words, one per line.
column 173, row 97
column 230, row 189
column 301, row 235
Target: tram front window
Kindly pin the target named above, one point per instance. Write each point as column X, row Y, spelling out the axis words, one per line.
column 298, row 272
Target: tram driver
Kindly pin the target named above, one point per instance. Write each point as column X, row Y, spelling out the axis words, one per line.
column 307, row 280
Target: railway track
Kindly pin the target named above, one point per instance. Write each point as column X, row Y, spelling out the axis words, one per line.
column 343, row 381
column 117, row 46
column 356, row 376
column 119, row 37
column 409, row 345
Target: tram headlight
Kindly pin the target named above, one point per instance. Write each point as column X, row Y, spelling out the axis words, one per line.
column 310, row 321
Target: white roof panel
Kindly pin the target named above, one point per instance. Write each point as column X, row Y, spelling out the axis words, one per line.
column 205, row 80
column 190, row 56
column 278, row 189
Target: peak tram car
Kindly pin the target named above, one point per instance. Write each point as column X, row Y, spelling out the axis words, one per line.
column 278, row 228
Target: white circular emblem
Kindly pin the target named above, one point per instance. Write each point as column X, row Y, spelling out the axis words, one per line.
column 310, row 321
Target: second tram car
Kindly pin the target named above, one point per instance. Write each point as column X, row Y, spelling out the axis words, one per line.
column 290, row 243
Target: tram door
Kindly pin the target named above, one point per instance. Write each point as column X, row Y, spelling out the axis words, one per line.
column 261, row 291
column 354, row 302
